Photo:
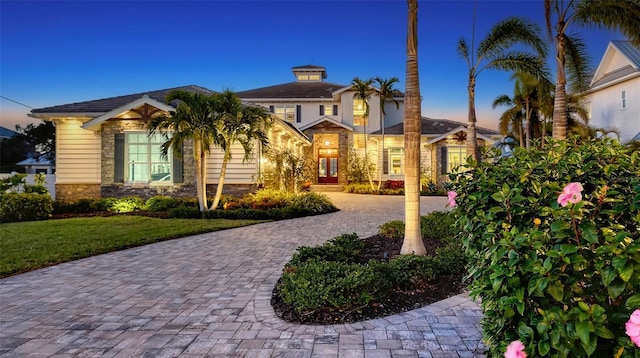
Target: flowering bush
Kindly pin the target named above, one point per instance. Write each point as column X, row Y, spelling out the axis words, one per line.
column 553, row 239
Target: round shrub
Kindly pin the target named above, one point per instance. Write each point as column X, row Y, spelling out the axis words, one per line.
column 25, row 207
column 557, row 265
column 127, row 204
column 161, row 203
column 314, row 203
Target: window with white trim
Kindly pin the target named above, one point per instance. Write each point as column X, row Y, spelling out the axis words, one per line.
column 286, row 113
column 452, row 158
column 144, row 160
column 396, row 161
column 359, row 112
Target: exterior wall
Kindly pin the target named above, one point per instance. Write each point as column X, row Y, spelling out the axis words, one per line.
column 238, row 171
column 346, row 115
column 73, row 192
column 77, row 154
column 310, row 111
column 394, row 115
column 607, row 111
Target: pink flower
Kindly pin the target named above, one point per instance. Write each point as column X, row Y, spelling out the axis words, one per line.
column 452, row 198
column 515, row 349
column 570, row 194
column 633, row 327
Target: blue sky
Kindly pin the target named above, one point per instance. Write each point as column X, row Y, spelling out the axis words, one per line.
column 57, row 52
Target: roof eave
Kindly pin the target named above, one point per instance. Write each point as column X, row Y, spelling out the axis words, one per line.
column 614, row 82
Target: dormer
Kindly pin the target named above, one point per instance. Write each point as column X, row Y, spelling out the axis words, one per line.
column 309, row 73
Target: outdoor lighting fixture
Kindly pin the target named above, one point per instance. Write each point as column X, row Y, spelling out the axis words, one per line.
column 326, row 143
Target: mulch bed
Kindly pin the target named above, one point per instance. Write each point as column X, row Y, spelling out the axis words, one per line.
column 401, row 301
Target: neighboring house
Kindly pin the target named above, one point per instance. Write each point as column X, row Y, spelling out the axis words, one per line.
column 615, row 91
column 332, row 118
column 103, row 149
column 6, row 133
column 39, row 165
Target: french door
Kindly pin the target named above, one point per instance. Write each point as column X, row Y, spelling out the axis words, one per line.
column 328, row 169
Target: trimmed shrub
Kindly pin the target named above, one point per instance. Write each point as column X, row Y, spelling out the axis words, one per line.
column 317, row 284
column 392, row 229
column 127, row 204
column 161, row 203
column 25, row 207
column 359, row 189
column 343, row 248
column 185, row 212
column 561, row 277
column 439, row 225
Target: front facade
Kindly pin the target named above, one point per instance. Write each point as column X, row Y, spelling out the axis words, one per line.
column 615, row 92
column 332, row 116
column 103, row 149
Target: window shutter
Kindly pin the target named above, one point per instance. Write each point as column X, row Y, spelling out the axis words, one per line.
column 322, row 109
column 272, row 109
column 298, row 113
column 118, row 159
column 335, row 109
column 443, row 160
column 385, row 161
column 178, row 165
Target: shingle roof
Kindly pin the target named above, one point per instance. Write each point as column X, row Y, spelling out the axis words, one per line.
column 6, row 132
column 107, row 104
column 431, row 126
column 293, row 90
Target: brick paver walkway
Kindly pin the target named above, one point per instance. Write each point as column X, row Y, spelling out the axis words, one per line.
column 209, row 295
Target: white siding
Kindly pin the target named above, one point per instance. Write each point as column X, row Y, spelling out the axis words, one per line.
column 607, row 111
column 238, row 171
column 78, row 154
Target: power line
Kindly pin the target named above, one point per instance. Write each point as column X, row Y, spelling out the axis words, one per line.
column 14, row 101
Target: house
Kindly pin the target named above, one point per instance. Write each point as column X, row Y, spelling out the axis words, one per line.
column 614, row 91
column 333, row 118
column 102, row 146
column 38, row 165
column 103, row 149
column 6, row 133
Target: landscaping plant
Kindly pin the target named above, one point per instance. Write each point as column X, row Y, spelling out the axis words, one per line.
column 553, row 240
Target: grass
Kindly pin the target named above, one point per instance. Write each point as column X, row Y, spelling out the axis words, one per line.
column 27, row 246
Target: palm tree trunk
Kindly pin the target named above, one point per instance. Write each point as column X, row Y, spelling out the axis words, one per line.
column 201, row 185
column 472, row 138
column 223, row 173
column 560, row 101
column 381, row 170
column 366, row 153
column 412, row 128
column 527, row 125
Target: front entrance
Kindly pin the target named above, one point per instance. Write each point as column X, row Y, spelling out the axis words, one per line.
column 328, row 167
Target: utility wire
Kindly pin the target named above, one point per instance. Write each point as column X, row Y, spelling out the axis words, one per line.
column 14, row 101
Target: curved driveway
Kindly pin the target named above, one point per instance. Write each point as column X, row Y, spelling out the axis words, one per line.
column 208, row 295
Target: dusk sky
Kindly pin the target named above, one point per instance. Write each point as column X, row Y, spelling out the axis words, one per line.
column 58, row 52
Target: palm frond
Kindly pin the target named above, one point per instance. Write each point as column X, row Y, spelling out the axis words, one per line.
column 621, row 15
column 578, row 64
column 502, row 100
column 516, row 61
column 463, row 51
column 509, row 32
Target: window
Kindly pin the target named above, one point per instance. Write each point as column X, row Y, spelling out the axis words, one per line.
column 396, row 161
column 144, row 161
column 289, row 113
column 358, row 140
column 308, row 77
column 359, row 112
column 328, row 110
column 624, row 99
column 452, row 158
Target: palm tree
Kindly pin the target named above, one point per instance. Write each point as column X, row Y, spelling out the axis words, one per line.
column 496, row 51
column 622, row 15
column 237, row 123
column 412, row 243
column 191, row 121
column 364, row 91
column 511, row 120
column 385, row 91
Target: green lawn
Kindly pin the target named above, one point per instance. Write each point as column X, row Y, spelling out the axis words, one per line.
column 27, row 246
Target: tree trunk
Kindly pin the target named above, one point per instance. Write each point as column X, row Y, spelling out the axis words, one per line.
column 412, row 243
column 366, row 153
column 527, row 125
column 381, row 170
column 472, row 137
column 223, row 172
column 202, row 196
column 560, row 101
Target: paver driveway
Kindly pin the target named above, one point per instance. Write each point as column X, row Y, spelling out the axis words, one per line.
column 208, row 295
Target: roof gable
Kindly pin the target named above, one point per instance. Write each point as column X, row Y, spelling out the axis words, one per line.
column 326, row 122
column 620, row 61
column 143, row 101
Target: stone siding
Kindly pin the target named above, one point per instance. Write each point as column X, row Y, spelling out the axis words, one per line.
column 73, row 192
